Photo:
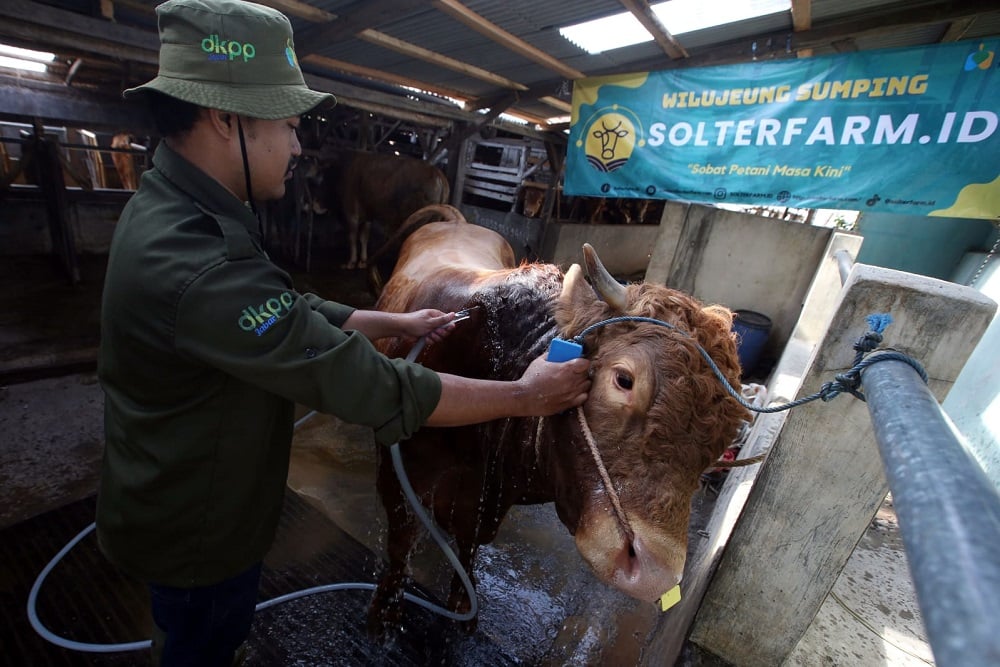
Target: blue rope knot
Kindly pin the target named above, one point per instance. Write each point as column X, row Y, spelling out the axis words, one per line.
column 867, row 342
column 877, row 322
column 849, row 382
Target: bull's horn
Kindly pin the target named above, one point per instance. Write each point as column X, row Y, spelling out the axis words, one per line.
column 609, row 289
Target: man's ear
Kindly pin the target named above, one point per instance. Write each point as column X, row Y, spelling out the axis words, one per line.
column 222, row 122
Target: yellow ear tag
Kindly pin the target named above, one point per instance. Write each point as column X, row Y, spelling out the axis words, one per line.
column 670, row 598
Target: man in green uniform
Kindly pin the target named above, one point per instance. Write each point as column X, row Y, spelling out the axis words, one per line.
column 206, row 345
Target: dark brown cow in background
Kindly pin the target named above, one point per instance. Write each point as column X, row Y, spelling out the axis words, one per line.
column 374, row 188
column 657, row 415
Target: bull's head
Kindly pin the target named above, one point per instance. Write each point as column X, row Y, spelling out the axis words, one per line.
column 659, row 418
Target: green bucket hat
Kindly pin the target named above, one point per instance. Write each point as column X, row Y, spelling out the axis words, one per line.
column 233, row 56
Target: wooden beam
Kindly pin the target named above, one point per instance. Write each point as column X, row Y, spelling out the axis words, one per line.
column 501, row 100
column 867, row 24
column 295, row 8
column 370, row 13
column 72, row 106
column 801, row 15
column 845, row 46
column 642, row 11
column 464, row 15
column 71, row 23
column 55, row 38
column 414, row 51
column 136, row 6
column 887, row 22
column 801, row 21
column 958, row 29
column 530, row 117
column 351, row 95
column 299, row 9
column 422, row 119
column 381, row 75
column 556, row 103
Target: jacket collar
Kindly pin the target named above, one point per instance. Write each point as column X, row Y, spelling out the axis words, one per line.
column 204, row 189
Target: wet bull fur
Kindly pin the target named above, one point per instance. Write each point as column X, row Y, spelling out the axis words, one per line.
column 658, row 415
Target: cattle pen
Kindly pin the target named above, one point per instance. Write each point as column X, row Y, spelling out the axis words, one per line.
column 865, row 533
column 801, row 474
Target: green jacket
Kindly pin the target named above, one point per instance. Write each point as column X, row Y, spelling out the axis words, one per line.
column 205, row 348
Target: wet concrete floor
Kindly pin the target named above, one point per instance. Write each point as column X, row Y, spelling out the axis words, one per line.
column 539, row 603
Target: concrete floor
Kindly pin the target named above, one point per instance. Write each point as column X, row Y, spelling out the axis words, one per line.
column 52, row 444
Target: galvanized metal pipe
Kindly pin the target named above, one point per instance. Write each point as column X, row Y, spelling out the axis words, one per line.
column 949, row 516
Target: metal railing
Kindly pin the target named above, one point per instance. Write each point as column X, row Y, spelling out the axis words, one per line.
column 948, row 511
column 949, row 516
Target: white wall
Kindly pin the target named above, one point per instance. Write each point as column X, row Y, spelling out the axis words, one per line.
column 624, row 250
column 743, row 261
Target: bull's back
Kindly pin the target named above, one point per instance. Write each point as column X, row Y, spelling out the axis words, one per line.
column 453, row 246
column 441, row 263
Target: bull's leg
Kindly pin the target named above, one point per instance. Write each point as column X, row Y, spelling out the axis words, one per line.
column 352, row 239
column 366, row 230
column 385, row 613
column 458, row 600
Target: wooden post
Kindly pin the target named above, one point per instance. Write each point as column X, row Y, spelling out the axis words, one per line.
column 458, row 160
column 823, row 481
column 49, row 172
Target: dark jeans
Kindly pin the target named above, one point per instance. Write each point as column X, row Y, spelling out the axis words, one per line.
column 203, row 626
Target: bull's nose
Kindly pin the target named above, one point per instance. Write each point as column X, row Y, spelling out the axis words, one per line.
column 644, row 574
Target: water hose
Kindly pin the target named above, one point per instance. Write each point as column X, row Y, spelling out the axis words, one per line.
column 397, row 463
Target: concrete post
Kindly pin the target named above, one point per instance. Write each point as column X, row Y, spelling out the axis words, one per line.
column 822, row 481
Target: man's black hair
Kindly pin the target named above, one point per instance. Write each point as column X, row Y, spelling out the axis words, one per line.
column 171, row 116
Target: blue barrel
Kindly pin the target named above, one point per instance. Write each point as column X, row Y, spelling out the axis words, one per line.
column 752, row 330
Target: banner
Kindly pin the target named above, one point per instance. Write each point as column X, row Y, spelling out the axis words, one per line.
column 910, row 131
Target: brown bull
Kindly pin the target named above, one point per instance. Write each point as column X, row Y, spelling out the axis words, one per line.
column 375, row 188
column 656, row 414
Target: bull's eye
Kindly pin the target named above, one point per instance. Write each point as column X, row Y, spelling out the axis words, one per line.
column 623, row 380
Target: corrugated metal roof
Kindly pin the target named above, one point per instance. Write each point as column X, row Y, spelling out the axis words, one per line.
column 836, row 25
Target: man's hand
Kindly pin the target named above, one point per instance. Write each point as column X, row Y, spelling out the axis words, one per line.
column 546, row 388
column 377, row 324
column 555, row 387
column 435, row 324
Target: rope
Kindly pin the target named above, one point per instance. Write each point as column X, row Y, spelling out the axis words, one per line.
column 738, row 463
column 615, row 501
column 847, row 382
column 601, row 468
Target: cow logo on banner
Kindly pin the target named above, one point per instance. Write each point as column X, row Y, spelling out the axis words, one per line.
column 914, row 131
column 611, row 137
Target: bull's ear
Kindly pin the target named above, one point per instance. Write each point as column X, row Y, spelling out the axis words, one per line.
column 574, row 282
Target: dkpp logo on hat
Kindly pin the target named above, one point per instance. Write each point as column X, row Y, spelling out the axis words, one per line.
column 220, row 49
column 233, row 56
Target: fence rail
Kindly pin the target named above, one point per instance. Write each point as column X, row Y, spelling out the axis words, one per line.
column 949, row 516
